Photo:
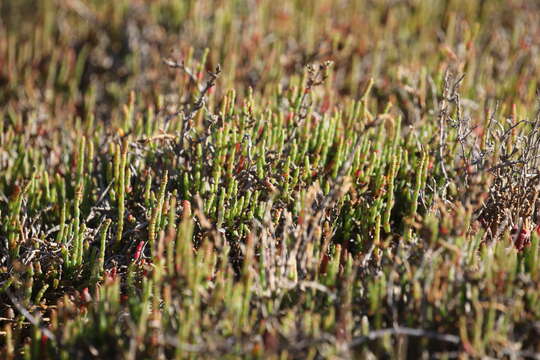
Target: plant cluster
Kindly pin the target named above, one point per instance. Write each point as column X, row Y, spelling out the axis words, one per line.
column 281, row 184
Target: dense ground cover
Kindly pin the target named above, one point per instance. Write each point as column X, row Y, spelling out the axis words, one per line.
column 295, row 179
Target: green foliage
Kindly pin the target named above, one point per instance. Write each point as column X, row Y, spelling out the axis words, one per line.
column 298, row 179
